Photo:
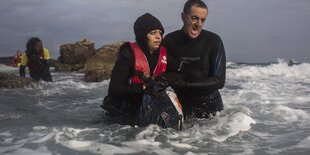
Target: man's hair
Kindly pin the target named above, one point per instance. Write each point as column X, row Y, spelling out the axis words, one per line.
column 190, row 3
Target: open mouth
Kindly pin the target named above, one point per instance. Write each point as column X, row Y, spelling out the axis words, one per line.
column 195, row 29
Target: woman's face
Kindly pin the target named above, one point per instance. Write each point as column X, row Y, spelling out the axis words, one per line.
column 38, row 46
column 154, row 39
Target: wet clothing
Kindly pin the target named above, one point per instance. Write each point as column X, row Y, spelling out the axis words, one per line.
column 38, row 64
column 197, row 87
column 123, row 94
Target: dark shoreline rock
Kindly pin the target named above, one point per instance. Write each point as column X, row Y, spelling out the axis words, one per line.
column 82, row 57
column 14, row 81
column 74, row 56
column 99, row 66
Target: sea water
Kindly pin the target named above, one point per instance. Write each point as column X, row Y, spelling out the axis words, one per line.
column 266, row 112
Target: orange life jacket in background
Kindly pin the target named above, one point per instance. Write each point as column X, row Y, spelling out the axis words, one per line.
column 16, row 60
column 141, row 63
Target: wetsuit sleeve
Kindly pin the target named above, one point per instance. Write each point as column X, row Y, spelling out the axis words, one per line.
column 217, row 73
column 121, row 73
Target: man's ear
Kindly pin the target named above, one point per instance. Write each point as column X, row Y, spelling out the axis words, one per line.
column 183, row 16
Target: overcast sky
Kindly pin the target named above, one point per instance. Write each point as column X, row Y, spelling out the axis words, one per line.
column 252, row 30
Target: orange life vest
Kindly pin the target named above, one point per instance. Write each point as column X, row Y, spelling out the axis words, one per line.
column 16, row 60
column 141, row 64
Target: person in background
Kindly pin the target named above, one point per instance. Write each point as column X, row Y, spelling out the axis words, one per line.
column 16, row 59
column 144, row 56
column 37, row 59
column 197, row 87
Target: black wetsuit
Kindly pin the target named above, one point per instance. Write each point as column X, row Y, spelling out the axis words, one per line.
column 205, row 73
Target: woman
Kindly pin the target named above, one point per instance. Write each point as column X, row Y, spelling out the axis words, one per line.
column 145, row 56
column 37, row 59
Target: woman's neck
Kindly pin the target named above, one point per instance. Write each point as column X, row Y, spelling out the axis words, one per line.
column 152, row 51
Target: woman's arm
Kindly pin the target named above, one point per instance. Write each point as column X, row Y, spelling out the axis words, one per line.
column 121, row 73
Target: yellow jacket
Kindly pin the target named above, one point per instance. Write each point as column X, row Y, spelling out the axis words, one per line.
column 46, row 54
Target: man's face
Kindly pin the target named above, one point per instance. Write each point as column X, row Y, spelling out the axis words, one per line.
column 194, row 20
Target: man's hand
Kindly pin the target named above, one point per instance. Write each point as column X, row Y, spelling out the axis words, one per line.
column 176, row 80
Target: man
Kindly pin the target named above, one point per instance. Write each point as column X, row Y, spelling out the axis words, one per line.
column 37, row 59
column 197, row 86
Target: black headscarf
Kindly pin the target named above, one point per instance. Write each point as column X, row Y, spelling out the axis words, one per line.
column 143, row 25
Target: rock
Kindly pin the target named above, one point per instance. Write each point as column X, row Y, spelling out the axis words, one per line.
column 102, row 63
column 14, row 81
column 96, row 75
column 60, row 67
column 73, row 56
column 82, row 57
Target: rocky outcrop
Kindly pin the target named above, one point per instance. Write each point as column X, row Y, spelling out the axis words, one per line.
column 96, row 75
column 74, row 56
column 82, row 57
column 99, row 66
column 14, row 81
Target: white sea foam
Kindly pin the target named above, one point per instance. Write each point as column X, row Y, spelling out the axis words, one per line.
column 287, row 114
column 144, row 145
column 79, row 144
column 231, row 125
column 39, row 128
column 97, row 100
column 8, row 69
column 192, row 153
column 182, row 145
column 25, row 151
column 271, row 71
column 304, row 143
column 53, row 91
column 149, row 132
column 6, row 138
column 45, row 138
column 10, row 115
column 73, row 132
column 5, row 134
